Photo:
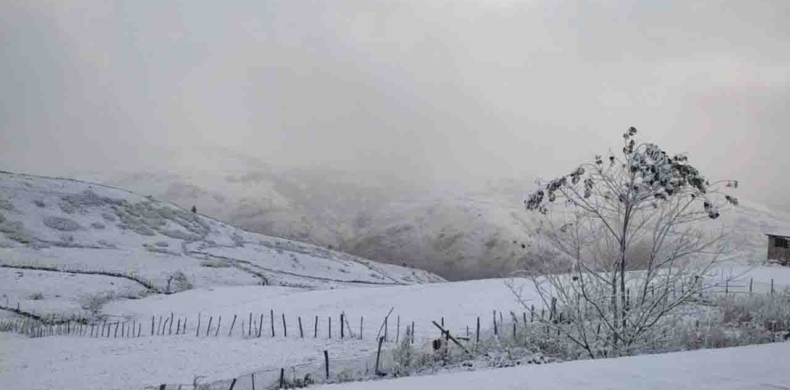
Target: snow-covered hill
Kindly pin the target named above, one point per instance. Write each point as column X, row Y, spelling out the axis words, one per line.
column 101, row 233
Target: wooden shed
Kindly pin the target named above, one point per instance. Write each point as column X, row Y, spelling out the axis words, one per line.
column 779, row 248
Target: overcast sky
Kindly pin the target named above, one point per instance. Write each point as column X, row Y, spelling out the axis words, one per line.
column 434, row 90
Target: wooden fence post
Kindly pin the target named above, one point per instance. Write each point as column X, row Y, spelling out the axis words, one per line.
column 326, row 364
column 361, row 320
column 271, row 314
column 232, row 324
column 219, row 325
column 342, row 332
column 178, row 327
column 315, row 332
column 285, row 327
column 249, row 326
column 260, row 325
column 210, row 319
column 233, row 384
column 477, row 336
column 282, row 378
column 301, row 332
column 772, row 287
column 330, row 326
column 496, row 331
column 397, row 334
column 197, row 331
column 170, row 329
column 412, row 332
column 751, row 284
column 378, row 354
column 253, row 381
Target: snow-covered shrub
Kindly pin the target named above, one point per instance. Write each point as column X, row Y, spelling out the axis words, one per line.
column 771, row 312
column 179, row 235
column 6, row 204
column 39, row 203
column 36, row 296
column 93, row 303
column 2, row 218
column 97, row 225
column 14, row 230
column 61, row 224
column 214, row 263
column 108, row 217
column 178, row 282
column 162, row 244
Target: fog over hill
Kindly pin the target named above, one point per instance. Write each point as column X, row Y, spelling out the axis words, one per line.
column 459, row 233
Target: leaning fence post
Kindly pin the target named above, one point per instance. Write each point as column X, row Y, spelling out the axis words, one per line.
column 208, row 329
column 170, row 329
column 233, row 384
column 233, row 323
column 260, row 325
column 301, row 332
column 342, row 332
column 751, row 283
column 197, row 331
column 315, row 332
column 219, row 325
column 282, row 378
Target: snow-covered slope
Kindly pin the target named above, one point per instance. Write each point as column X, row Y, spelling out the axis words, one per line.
column 59, row 224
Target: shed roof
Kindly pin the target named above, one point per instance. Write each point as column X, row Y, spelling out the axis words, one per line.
column 783, row 235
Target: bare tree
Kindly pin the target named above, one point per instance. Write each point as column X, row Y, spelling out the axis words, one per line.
column 634, row 232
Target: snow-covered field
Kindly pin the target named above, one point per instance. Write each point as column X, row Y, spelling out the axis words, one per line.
column 149, row 361
column 762, row 367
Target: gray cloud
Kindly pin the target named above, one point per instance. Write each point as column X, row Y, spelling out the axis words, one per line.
column 430, row 91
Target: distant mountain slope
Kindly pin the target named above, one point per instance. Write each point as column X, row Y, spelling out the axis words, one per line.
column 66, row 224
column 457, row 234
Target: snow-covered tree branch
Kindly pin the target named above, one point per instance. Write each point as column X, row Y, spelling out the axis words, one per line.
column 636, row 230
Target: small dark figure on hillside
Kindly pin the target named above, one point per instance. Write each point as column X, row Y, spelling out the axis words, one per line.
column 194, row 209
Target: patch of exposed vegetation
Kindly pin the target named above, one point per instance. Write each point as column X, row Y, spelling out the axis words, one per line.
column 62, row 224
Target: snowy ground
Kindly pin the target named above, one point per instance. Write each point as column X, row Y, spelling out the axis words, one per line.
column 149, row 361
column 744, row 368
